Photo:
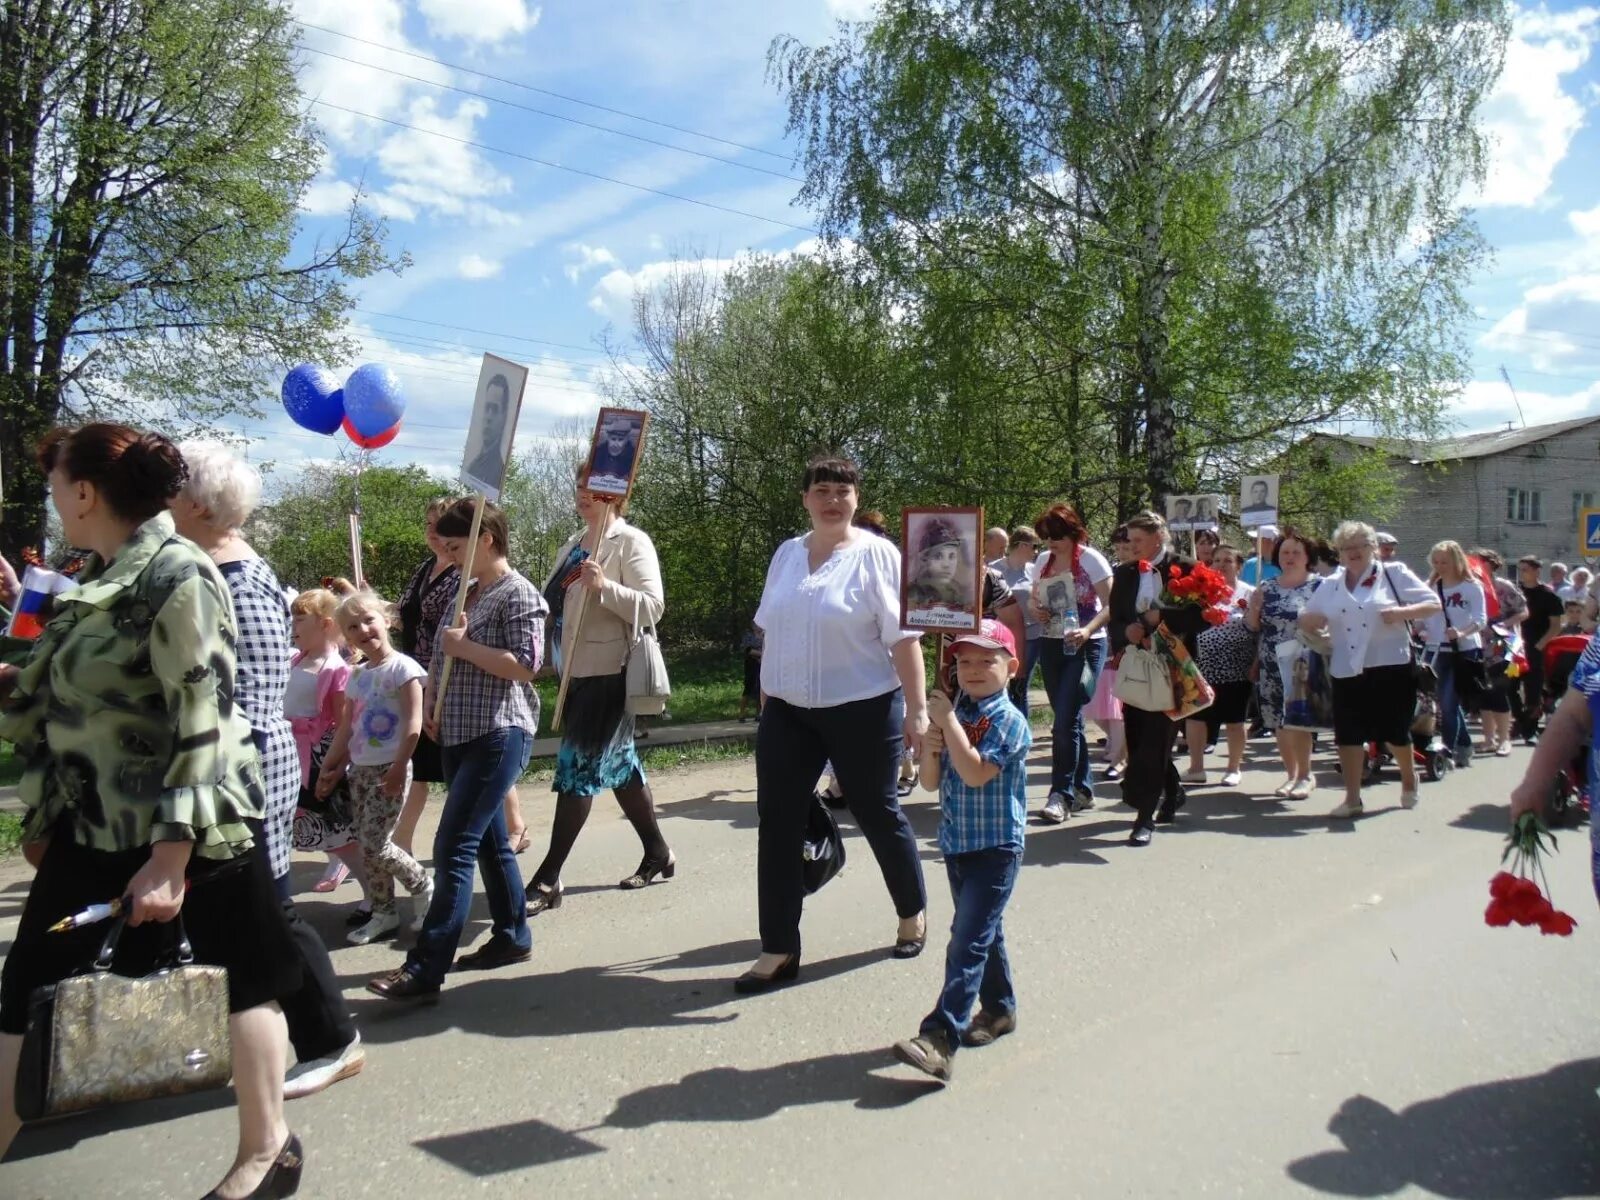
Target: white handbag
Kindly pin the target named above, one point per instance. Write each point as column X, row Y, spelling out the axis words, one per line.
column 645, row 671
column 1144, row 681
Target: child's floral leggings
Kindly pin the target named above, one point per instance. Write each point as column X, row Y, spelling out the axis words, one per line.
column 376, row 815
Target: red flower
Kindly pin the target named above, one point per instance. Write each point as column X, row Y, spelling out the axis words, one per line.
column 1174, row 572
column 1215, row 616
column 1503, row 885
column 1370, row 579
column 1558, row 923
column 1143, row 566
column 1496, row 914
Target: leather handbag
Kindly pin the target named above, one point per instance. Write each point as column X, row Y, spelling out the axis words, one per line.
column 1144, row 681
column 822, row 851
column 646, row 671
column 96, row 1038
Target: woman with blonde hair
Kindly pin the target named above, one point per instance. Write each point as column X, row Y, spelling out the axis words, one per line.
column 1454, row 637
column 1365, row 607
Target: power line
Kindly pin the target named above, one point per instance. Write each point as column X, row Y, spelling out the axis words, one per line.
column 542, row 112
column 545, row 162
column 528, row 87
column 510, row 337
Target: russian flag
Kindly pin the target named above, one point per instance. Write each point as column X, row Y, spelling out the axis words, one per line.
column 33, row 605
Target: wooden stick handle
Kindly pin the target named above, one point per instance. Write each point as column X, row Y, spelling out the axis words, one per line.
column 461, row 602
column 577, row 626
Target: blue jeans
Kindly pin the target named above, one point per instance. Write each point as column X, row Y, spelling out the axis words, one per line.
column 1024, row 676
column 472, row 832
column 1453, row 729
column 1064, row 677
column 975, row 964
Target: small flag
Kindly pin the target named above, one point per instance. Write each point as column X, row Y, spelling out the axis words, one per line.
column 33, row 604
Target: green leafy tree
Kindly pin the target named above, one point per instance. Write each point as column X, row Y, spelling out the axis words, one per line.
column 1212, row 229
column 152, row 158
column 304, row 532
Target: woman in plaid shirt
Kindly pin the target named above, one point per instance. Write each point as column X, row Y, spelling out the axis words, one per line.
column 485, row 736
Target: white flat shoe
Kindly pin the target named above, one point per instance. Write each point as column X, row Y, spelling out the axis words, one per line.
column 1193, row 776
column 1301, row 789
column 1347, row 810
column 1284, row 788
column 1409, row 799
column 1232, row 779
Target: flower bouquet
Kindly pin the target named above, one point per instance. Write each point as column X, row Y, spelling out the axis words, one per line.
column 1202, row 587
column 1514, row 895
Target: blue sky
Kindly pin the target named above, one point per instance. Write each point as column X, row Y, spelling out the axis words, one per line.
column 535, row 263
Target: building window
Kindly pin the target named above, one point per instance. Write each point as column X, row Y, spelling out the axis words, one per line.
column 1581, row 501
column 1524, row 506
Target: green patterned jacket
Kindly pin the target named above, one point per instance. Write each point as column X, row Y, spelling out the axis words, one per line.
column 123, row 715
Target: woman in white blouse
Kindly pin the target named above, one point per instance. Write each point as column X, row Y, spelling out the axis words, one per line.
column 832, row 671
column 1365, row 606
column 1453, row 635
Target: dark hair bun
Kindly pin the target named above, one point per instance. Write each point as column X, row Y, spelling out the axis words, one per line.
column 154, row 466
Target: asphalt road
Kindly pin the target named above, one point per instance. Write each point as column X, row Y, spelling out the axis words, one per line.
column 1261, row 1004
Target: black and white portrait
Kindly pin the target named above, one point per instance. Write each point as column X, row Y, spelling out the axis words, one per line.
column 1206, row 510
column 1258, row 500
column 494, row 420
column 1180, row 513
column 614, row 451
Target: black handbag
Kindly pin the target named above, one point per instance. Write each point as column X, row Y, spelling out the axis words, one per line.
column 822, row 851
column 1472, row 676
column 97, row 1038
column 1423, row 676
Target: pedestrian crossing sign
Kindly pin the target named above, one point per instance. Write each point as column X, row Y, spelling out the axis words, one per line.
column 1589, row 533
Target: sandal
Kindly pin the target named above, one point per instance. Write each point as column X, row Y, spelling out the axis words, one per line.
column 649, row 868
column 520, row 841
column 910, row 947
column 542, row 899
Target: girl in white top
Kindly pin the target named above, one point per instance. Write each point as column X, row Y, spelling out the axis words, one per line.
column 1365, row 606
column 378, row 730
column 1454, row 634
column 833, row 667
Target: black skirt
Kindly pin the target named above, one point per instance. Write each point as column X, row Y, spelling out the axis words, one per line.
column 1378, row 705
column 231, row 914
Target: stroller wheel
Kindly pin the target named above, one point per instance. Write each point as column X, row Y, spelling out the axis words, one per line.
column 1436, row 765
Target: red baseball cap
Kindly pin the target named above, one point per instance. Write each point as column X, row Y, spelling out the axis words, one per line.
column 991, row 635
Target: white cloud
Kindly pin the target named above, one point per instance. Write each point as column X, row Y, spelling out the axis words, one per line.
column 851, row 10
column 588, row 258
column 1486, row 404
column 475, row 266
column 1587, row 223
column 613, row 293
column 327, row 197
column 1529, row 117
column 479, row 20
column 362, row 87
column 1557, row 326
column 435, row 172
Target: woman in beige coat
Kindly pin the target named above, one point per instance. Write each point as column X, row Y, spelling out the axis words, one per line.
column 617, row 587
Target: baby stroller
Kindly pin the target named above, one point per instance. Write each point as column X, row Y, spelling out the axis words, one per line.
column 1428, row 750
column 1569, row 800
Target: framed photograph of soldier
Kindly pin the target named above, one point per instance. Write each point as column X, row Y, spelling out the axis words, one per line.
column 497, row 402
column 614, row 451
column 941, row 570
column 1258, row 500
column 1191, row 514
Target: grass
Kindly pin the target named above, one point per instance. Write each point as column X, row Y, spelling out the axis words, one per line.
column 10, row 832
column 706, row 684
column 10, row 765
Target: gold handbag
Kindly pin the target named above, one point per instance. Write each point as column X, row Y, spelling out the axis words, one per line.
column 96, row 1038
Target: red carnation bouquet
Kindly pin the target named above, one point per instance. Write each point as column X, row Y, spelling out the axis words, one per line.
column 1203, row 587
column 1515, row 896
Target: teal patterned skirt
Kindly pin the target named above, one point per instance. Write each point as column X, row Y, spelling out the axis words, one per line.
column 597, row 743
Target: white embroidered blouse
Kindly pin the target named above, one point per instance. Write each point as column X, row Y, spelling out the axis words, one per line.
column 1361, row 638
column 829, row 631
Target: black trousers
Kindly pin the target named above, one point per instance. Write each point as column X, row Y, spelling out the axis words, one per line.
column 863, row 740
column 315, row 1011
column 1151, row 776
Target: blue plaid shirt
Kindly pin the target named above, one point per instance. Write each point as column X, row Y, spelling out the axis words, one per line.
column 995, row 814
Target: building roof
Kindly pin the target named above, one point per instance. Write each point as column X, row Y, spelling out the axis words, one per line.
column 1468, row 445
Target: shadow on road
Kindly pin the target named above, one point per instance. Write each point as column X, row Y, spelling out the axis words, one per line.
column 1486, row 818
column 39, row 1138
column 732, row 1094
column 502, row 1148
column 1532, row 1138
column 601, row 999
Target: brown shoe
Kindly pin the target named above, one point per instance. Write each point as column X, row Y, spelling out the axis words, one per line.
column 929, row 1053
column 987, row 1026
column 402, row 984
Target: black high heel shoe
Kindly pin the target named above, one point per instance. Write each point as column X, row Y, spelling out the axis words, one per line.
column 750, row 982
column 282, row 1178
column 542, row 899
column 649, row 868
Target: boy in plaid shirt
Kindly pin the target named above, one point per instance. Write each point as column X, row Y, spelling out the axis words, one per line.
column 976, row 755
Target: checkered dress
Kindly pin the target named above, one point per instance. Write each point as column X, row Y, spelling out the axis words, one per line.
column 262, row 616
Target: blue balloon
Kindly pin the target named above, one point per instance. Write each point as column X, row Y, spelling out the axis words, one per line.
column 374, row 399
column 312, row 398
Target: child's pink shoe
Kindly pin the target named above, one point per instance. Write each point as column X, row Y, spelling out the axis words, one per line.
column 336, row 874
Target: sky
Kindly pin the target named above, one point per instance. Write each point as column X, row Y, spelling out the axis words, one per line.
column 538, row 261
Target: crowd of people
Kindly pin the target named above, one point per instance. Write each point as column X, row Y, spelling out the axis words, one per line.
column 185, row 722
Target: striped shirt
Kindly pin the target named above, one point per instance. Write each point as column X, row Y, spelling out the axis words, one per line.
column 995, row 814
column 507, row 615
